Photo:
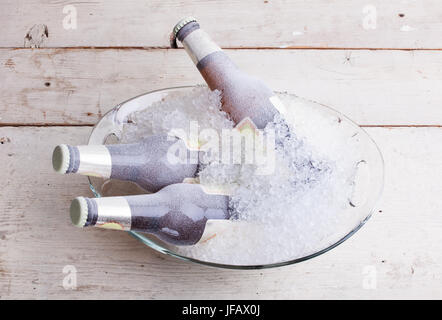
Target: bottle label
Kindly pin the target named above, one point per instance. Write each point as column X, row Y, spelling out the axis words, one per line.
column 277, row 103
column 113, row 213
column 223, row 190
column 95, row 160
column 214, row 228
column 199, row 45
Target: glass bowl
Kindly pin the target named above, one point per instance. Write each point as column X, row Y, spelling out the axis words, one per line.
column 368, row 185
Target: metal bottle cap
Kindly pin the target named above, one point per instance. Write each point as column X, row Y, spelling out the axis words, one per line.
column 61, row 159
column 177, row 28
column 79, row 212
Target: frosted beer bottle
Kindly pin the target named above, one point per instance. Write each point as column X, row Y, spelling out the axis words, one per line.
column 242, row 95
column 146, row 163
column 176, row 214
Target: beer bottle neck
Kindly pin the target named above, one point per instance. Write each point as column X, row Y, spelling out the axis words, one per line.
column 196, row 42
column 118, row 213
column 91, row 160
column 217, row 69
column 105, row 161
column 127, row 159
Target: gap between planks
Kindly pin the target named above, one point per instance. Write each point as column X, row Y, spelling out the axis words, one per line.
column 151, row 48
column 2, row 125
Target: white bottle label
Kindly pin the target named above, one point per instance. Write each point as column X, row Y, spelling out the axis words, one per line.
column 95, row 160
column 214, row 228
column 199, row 45
column 218, row 228
column 113, row 213
column 222, row 190
column 277, row 103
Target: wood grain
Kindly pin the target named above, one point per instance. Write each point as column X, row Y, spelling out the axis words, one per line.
column 76, row 86
column 401, row 242
column 118, row 50
column 232, row 23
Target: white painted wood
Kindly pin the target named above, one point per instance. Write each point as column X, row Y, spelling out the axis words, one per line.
column 401, row 243
column 76, row 86
column 233, row 23
column 400, row 246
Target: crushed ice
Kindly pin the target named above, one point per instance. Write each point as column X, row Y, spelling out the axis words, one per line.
column 294, row 212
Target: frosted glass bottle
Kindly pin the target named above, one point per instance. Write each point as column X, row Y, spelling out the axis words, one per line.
column 146, row 163
column 176, row 214
column 242, row 95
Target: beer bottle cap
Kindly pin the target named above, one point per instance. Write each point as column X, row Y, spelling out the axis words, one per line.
column 182, row 23
column 177, row 29
column 61, row 158
column 79, row 212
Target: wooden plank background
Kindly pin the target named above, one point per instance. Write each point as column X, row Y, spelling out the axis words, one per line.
column 387, row 79
column 76, row 86
column 233, row 23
